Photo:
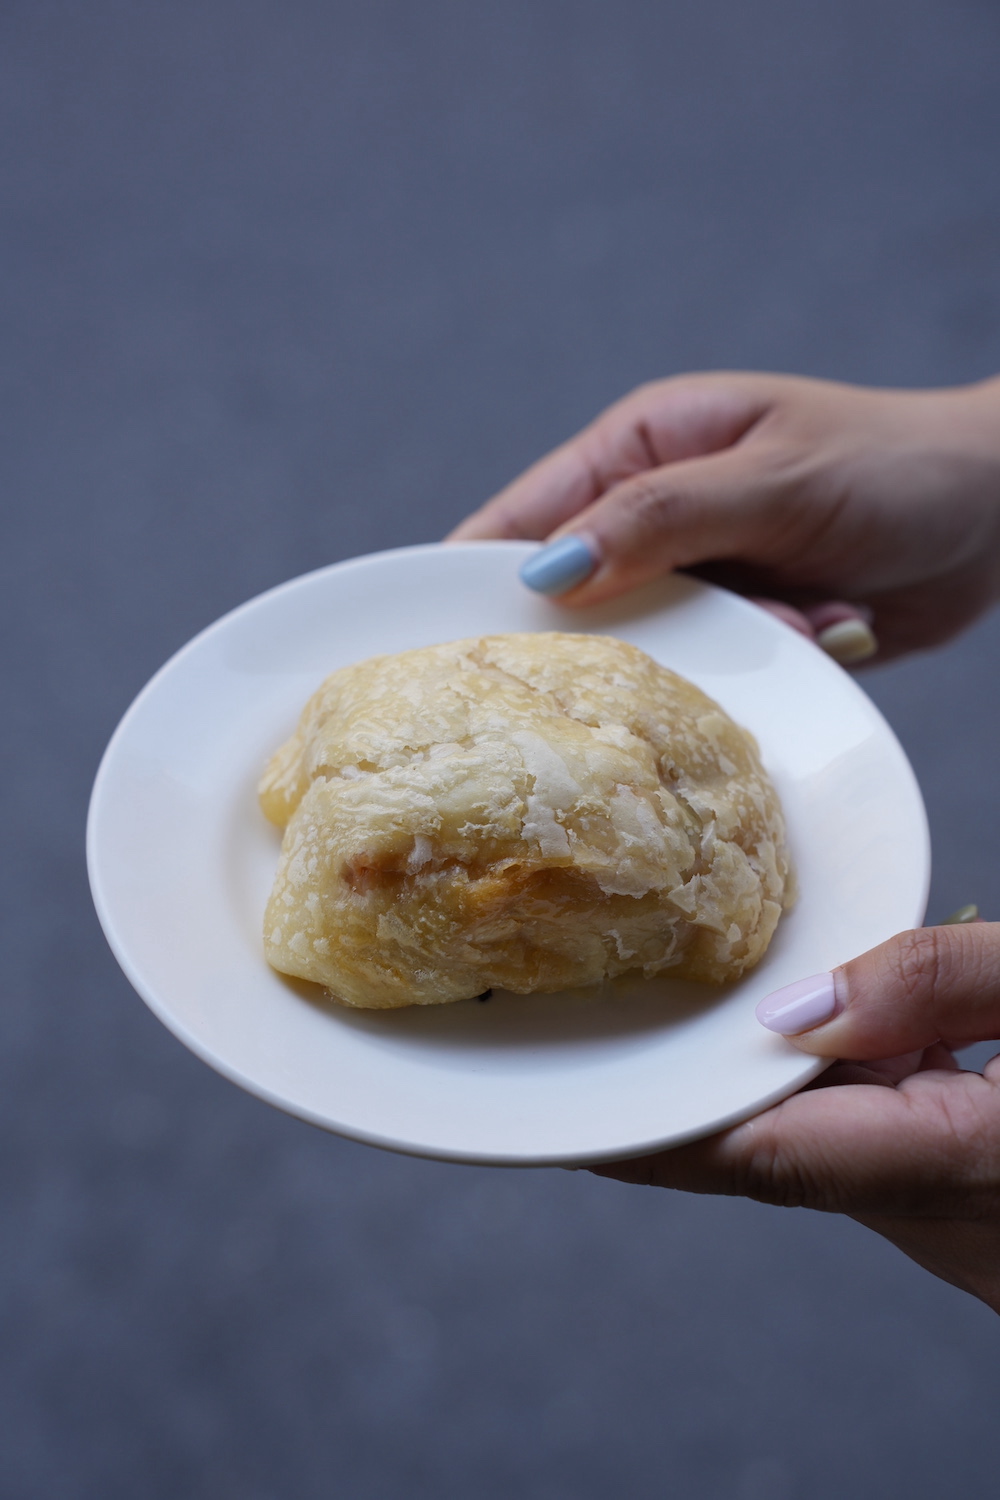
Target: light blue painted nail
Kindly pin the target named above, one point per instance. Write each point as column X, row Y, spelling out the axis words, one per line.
column 560, row 566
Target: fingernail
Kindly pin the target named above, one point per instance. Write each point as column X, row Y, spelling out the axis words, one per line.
column 835, row 611
column 786, row 613
column 848, row 641
column 964, row 914
column 800, row 1006
column 560, row 566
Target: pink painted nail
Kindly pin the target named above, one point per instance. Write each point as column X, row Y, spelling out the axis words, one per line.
column 800, row 1006
column 835, row 612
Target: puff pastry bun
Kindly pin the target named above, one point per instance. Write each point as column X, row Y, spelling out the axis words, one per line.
column 528, row 811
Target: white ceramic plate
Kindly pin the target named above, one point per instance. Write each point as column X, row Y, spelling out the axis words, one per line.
column 181, row 862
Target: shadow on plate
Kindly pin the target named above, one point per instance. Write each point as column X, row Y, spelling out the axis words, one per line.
column 618, row 1010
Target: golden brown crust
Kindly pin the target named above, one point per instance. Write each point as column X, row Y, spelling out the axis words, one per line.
column 533, row 812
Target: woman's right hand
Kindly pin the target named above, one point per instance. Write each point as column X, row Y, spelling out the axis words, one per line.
column 805, row 491
column 899, row 1138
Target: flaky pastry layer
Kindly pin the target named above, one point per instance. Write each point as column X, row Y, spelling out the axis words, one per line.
column 532, row 812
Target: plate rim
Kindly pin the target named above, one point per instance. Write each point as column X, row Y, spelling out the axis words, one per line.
column 811, row 1067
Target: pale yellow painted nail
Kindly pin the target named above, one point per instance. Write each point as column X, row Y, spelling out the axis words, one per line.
column 848, row 641
column 968, row 913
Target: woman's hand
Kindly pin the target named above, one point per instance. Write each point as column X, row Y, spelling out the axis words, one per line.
column 835, row 503
column 836, row 500
column 901, row 1139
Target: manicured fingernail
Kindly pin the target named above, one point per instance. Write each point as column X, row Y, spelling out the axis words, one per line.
column 800, row 1006
column 560, row 566
column 835, row 611
column 848, row 641
column 968, row 913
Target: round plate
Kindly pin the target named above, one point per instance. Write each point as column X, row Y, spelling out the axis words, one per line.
column 181, row 862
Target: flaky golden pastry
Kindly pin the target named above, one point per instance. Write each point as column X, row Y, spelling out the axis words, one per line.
column 533, row 812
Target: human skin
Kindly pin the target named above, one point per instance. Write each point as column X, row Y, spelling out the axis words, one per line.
column 823, row 497
column 805, row 492
column 902, row 1139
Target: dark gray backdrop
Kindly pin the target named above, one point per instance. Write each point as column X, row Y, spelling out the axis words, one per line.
column 288, row 281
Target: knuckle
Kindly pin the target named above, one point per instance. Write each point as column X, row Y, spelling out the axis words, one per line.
column 504, row 523
column 640, row 400
column 917, row 961
column 650, row 509
column 773, row 1175
column 762, row 1180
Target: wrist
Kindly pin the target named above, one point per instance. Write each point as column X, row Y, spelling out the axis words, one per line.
column 962, row 440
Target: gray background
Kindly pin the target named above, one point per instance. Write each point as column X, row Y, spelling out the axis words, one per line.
column 286, row 282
